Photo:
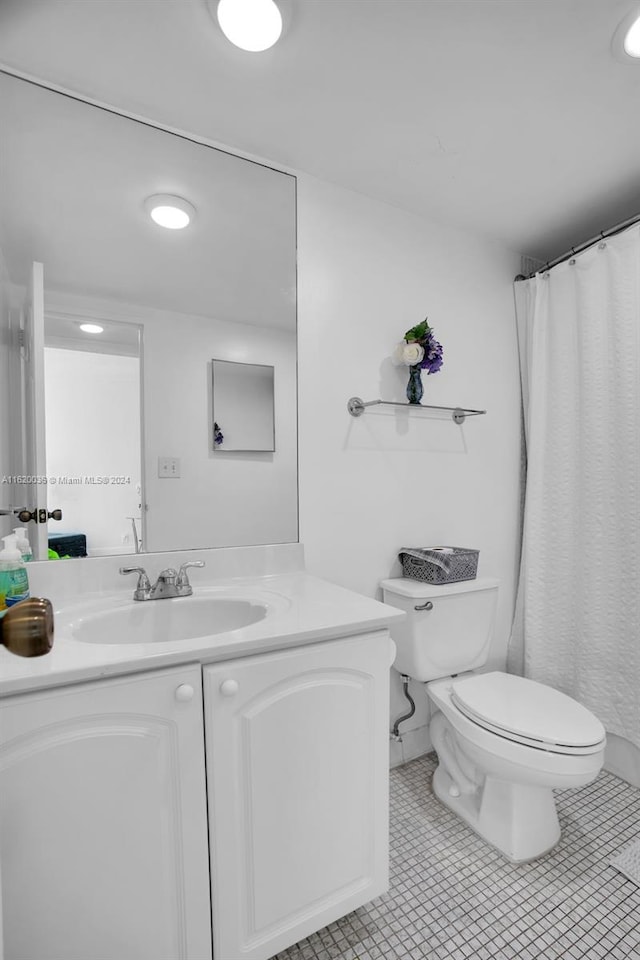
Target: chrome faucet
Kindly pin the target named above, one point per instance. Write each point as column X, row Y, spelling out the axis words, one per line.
column 170, row 582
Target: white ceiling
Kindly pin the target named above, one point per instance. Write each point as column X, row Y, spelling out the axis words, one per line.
column 508, row 117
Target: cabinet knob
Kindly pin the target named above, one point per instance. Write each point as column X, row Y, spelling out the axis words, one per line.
column 184, row 692
column 229, row 688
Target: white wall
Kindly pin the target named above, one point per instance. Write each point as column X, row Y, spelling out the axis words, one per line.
column 367, row 273
column 93, row 431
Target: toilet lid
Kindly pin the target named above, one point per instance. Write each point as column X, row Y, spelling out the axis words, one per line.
column 528, row 712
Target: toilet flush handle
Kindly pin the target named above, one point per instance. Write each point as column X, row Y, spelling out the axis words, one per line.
column 424, row 606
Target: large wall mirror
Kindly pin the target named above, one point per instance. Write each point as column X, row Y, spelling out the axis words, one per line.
column 109, row 323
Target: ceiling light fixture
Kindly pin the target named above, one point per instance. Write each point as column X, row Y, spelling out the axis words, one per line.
column 253, row 25
column 631, row 45
column 168, row 211
column 626, row 39
column 91, row 328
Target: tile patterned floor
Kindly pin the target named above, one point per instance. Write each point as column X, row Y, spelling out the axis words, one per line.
column 453, row 897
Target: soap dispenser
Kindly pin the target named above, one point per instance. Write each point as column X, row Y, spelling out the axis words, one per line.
column 23, row 544
column 14, row 581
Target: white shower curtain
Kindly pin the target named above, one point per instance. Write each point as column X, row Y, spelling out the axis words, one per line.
column 579, row 337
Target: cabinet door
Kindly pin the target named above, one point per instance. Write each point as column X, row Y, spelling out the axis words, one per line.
column 297, row 767
column 103, row 833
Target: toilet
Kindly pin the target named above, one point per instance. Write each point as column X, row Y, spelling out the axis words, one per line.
column 504, row 743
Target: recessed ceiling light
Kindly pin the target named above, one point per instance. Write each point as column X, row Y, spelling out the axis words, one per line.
column 626, row 39
column 174, row 213
column 253, row 25
column 91, row 328
column 631, row 43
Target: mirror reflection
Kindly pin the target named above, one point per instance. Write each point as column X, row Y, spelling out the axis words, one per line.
column 92, row 382
column 243, row 395
column 125, row 415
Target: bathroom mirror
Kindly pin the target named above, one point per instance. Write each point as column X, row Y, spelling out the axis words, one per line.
column 76, row 183
column 242, row 411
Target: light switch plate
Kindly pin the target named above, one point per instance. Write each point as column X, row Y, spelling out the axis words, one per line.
column 168, row 467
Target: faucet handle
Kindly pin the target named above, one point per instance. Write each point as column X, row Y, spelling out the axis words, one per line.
column 183, row 577
column 143, row 586
column 167, row 576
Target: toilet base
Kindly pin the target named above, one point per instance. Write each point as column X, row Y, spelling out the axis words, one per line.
column 520, row 821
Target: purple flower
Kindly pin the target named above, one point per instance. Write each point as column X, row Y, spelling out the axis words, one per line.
column 432, row 360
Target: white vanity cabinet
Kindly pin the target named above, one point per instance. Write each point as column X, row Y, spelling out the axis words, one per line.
column 106, row 849
column 103, row 824
column 297, row 767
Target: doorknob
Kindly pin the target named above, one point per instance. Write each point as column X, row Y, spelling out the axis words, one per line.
column 229, row 688
column 184, row 692
column 38, row 516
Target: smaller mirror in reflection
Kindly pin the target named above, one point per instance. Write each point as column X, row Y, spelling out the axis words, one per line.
column 243, row 405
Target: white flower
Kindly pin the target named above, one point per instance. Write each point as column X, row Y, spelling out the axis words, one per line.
column 408, row 353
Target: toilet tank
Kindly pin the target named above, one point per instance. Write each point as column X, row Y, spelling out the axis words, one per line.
column 448, row 628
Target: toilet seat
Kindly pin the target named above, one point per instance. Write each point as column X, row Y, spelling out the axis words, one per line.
column 529, row 713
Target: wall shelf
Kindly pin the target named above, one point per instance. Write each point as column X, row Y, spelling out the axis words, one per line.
column 356, row 408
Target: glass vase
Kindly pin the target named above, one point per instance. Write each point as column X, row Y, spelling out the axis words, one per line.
column 414, row 387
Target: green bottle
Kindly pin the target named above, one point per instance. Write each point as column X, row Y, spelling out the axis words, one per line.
column 14, row 581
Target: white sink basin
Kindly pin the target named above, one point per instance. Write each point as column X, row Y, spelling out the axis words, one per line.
column 165, row 621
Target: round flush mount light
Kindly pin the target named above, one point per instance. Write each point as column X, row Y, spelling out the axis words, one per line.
column 168, row 211
column 631, row 45
column 626, row 39
column 252, row 25
column 91, row 328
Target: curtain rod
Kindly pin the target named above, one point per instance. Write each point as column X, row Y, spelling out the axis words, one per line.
column 584, row 246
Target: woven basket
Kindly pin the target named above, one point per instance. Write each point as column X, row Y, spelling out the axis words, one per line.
column 432, row 566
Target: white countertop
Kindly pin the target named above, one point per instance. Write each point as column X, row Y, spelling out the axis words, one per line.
column 301, row 609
